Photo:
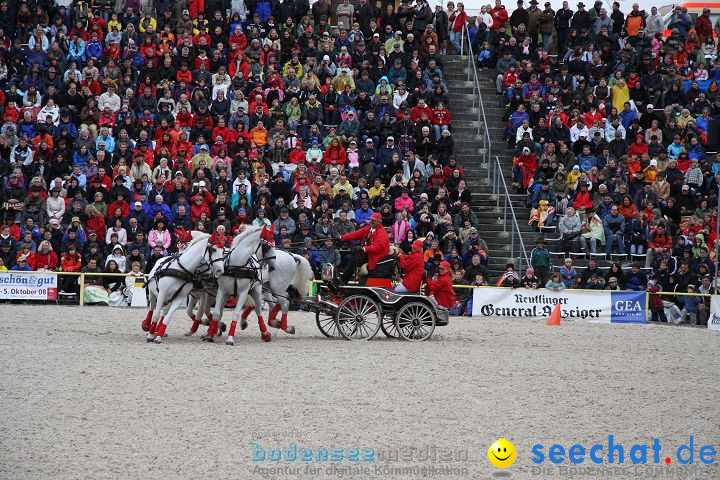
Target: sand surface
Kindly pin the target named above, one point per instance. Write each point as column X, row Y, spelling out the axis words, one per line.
column 83, row 396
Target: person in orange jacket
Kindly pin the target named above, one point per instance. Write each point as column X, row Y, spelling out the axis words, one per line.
column 440, row 287
column 374, row 241
column 412, row 266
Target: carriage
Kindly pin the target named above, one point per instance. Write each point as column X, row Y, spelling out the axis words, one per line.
column 359, row 312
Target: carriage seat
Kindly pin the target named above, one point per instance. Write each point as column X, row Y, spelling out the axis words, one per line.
column 384, row 268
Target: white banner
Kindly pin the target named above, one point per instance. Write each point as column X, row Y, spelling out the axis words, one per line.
column 581, row 306
column 28, row 286
column 714, row 320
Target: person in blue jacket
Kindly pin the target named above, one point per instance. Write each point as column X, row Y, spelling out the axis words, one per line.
column 636, row 279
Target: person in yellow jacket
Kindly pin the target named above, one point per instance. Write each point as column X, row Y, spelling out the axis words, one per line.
column 295, row 64
column 147, row 21
column 343, row 79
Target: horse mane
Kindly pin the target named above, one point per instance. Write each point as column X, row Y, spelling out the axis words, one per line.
column 241, row 236
column 197, row 237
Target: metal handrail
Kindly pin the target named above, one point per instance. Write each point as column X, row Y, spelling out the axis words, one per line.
column 477, row 96
column 500, row 188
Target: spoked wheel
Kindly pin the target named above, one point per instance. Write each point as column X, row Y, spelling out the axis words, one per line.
column 388, row 327
column 327, row 325
column 358, row 318
column 415, row 322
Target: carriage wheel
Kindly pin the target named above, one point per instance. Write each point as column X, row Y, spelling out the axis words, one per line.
column 388, row 327
column 415, row 322
column 326, row 324
column 358, row 318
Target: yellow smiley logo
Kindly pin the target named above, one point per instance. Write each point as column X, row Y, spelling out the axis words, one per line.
column 502, row 453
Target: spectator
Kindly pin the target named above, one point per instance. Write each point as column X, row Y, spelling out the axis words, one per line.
column 555, row 283
column 529, row 280
column 540, row 260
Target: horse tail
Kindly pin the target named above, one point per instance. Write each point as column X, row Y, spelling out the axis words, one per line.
column 303, row 275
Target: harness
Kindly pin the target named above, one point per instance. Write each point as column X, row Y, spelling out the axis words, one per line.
column 251, row 269
column 199, row 278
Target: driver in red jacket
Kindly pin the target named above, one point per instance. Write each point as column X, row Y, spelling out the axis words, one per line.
column 374, row 241
column 412, row 266
column 440, row 286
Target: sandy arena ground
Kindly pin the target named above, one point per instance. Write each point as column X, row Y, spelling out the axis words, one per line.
column 83, row 396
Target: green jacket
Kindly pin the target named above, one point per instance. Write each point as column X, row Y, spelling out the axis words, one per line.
column 540, row 257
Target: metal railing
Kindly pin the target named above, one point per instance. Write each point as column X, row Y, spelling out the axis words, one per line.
column 495, row 175
column 477, row 100
column 500, row 189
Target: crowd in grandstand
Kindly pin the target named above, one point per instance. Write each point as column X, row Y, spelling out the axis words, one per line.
column 124, row 126
column 127, row 124
column 610, row 138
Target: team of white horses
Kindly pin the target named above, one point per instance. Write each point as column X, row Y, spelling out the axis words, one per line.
column 252, row 270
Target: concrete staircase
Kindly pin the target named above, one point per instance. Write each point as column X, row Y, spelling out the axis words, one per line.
column 469, row 149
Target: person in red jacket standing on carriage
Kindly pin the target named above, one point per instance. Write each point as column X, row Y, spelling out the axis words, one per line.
column 412, row 266
column 374, row 241
column 441, row 287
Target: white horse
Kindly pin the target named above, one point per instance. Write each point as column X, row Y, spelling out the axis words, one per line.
column 290, row 270
column 171, row 280
column 243, row 268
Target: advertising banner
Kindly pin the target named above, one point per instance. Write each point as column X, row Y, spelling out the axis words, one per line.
column 581, row 306
column 28, row 286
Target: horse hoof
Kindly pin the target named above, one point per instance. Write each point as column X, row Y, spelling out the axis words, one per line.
column 158, row 340
column 208, row 339
column 222, row 329
column 145, row 326
column 243, row 324
column 274, row 323
column 189, row 334
column 150, row 339
column 290, row 330
column 266, row 336
column 230, row 342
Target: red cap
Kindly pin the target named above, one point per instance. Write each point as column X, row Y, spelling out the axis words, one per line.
column 417, row 244
column 376, row 216
column 445, row 264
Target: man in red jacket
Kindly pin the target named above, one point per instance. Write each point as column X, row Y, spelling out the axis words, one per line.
column 440, row 286
column 412, row 266
column 374, row 241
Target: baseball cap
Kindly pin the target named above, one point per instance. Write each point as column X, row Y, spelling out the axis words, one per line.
column 417, row 244
column 445, row 264
column 376, row 217
column 138, row 204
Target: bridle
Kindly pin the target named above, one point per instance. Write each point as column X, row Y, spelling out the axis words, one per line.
column 205, row 267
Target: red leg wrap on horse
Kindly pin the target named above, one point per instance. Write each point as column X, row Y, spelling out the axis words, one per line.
column 153, row 326
column 213, row 328
column 246, row 312
column 161, row 329
column 233, row 324
column 261, row 324
column 283, row 321
column 148, row 317
column 195, row 325
column 273, row 313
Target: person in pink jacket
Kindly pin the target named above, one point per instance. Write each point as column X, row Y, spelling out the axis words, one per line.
column 159, row 235
column 399, row 228
column 404, row 202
